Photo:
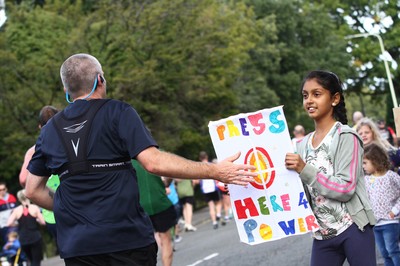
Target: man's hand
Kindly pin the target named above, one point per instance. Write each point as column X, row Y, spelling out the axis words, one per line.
column 293, row 161
column 238, row 174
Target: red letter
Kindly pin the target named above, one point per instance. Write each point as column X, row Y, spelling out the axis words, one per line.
column 248, row 205
column 254, row 120
column 310, row 220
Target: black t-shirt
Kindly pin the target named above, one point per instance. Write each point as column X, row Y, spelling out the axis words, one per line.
column 98, row 212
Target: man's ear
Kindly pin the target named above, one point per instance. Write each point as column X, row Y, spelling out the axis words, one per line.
column 101, row 79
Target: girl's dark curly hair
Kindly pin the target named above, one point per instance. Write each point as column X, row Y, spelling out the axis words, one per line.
column 330, row 81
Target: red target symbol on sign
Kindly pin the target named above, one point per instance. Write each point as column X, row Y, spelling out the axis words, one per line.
column 260, row 158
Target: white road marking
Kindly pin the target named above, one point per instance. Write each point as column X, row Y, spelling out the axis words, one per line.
column 211, row 256
column 206, row 258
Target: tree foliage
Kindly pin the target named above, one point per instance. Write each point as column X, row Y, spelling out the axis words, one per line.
column 182, row 63
column 306, row 39
column 369, row 77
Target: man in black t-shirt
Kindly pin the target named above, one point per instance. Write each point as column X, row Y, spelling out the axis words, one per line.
column 89, row 145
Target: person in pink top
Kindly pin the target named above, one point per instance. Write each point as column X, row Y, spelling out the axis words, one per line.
column 45, row 114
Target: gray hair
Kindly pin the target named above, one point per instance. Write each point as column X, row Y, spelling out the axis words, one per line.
column 79, row 72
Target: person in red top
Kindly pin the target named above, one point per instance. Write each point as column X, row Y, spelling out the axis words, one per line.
column 7, row 203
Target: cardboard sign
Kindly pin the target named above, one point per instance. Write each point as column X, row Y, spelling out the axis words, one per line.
column 396, row 115
column 274, row 206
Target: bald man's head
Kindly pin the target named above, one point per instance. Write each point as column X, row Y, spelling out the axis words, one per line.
column 299, row 131
column 357, row 115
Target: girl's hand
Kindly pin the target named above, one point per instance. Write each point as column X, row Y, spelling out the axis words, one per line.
column 294, row 162
column 391, row 215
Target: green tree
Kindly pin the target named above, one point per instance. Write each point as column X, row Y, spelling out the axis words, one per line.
column 179, row 63
column 32, row 47
column 175, row 61
column 370, row 77
column 308, row 38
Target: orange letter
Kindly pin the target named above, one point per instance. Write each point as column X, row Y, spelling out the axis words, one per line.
column 220, row 130
column 301, row 225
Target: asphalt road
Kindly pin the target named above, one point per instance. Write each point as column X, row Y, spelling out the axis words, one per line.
column 209, row 247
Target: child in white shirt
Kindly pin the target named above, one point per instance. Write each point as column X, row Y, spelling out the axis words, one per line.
column 383, row 187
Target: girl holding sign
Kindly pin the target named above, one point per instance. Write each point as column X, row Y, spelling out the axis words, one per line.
column 329, row 163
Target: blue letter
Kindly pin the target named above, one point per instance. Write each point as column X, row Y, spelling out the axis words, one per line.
column 249, row 226
column 303, row 200
column 288, row 230
column 277, row 125
column 275, row 206
column 243, row 125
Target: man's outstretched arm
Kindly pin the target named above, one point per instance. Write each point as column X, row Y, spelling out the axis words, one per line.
column 171, row 165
